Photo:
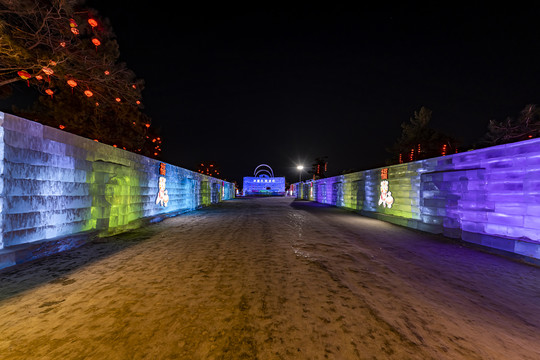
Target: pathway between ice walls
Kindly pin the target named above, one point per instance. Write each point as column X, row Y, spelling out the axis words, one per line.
column 58, row 189
column 489, row 197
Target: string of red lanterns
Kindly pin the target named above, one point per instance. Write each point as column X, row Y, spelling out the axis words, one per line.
column 71, row 82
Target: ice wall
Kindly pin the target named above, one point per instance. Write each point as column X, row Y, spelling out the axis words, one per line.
column 56, row 184
column 489, row 196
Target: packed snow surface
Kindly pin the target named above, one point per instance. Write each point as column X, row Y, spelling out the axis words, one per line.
column 271, row 278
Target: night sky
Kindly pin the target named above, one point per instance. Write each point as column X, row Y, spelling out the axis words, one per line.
column 283, row 85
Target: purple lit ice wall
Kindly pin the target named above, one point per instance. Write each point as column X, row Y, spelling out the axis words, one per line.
column 489, row 196
column 55, row 184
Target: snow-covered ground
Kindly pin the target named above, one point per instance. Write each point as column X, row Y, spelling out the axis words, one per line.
column 271, row 278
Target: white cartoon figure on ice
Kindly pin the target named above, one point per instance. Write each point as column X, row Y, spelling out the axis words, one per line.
column 386, row 198
column 162, row 197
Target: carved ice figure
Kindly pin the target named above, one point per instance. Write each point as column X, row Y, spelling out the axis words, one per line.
column 386, row 198
column 162, row 197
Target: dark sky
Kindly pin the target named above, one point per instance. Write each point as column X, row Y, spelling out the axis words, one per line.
column 283, row 85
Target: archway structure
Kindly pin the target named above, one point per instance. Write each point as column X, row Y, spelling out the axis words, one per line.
column 266, row 169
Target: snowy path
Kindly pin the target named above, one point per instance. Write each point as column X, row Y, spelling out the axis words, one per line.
column 271, row 279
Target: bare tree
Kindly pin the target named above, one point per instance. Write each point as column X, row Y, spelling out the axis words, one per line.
column 54, row 44
column 526, row 126
column 68, row 53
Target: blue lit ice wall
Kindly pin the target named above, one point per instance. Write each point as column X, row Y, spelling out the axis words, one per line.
column 489, row 196
column 55, row 184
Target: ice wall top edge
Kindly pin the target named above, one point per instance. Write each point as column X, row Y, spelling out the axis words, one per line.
column 99, row 150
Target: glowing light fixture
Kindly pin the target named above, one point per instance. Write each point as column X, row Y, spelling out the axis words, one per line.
column 25, row 76
column 96, row 42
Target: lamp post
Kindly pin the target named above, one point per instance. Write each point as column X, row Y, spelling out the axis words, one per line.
column 300, row 168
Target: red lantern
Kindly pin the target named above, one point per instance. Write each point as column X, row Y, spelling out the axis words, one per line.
column 62, row 127
column 72, row 23
column 88, row 93
column 147, row 125
column 93, row 23
column 107, row 72
column 63, row 44
column 75, row 31
column 96, row 42
column 25, row 76
column 49, row 92
column 118, row 99
column 72, row 83
column 39, row 77
column 134, row 86
column 48, row 72
column 138, row 102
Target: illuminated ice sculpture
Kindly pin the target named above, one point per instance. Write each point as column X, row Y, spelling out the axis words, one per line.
column 263, row 182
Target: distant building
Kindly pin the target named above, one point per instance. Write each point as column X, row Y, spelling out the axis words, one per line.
column 263, row 182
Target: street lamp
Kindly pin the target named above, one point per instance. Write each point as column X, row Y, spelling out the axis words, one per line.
column 300, row 168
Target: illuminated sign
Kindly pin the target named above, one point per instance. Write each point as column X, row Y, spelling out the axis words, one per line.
column 162, row 196
column 386, row 198
column 263, row 182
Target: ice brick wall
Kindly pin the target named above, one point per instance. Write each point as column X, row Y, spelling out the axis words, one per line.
column 489, row 196
column 55, row 184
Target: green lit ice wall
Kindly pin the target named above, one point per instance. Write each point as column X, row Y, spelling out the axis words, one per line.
column 55, row 184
